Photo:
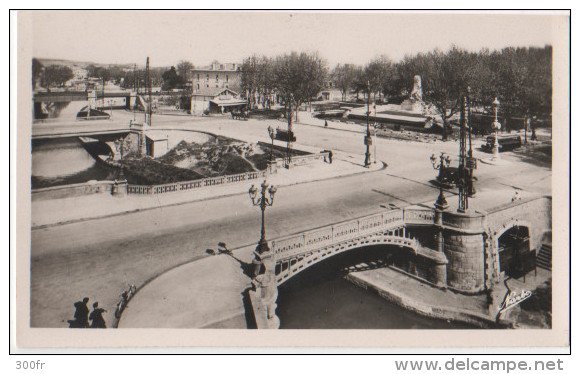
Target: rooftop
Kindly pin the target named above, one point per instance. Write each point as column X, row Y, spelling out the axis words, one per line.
column 218, row 66
column 212, row 91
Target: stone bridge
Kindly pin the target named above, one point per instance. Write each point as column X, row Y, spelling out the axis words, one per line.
column 458, row 251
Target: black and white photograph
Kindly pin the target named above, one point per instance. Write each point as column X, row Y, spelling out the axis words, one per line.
column 328, row 178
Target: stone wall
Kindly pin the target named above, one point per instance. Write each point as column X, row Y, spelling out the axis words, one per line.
column 463, row 246
column 71, row 190
column 465, row 253
column 533, row 213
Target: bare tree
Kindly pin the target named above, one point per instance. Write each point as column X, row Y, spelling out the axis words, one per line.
column 183, row 69
column 344, row 77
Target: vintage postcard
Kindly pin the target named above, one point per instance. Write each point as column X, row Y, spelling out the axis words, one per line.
column 292, row 179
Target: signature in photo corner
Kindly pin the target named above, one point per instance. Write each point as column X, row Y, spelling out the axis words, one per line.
column 513, row 298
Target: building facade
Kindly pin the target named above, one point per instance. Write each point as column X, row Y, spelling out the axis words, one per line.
column 216, row 100
column 217, row 76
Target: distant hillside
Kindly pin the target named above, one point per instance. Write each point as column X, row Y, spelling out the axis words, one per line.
column 82, row 64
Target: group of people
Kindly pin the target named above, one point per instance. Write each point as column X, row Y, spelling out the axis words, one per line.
column 82, row 316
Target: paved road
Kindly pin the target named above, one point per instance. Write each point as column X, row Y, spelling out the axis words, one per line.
column 98, row 258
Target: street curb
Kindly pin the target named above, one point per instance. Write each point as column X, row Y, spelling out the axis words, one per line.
column 416, row 306
column 49, row 225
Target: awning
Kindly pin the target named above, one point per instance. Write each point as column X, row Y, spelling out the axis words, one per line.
column 228, row 102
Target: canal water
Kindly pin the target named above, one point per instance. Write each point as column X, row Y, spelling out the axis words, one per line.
column 320, row 298
column 64, row 161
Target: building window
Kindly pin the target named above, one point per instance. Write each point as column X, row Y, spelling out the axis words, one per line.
column 207, row 76
column 208, row 85
column 197, row 76
column 227, row 78
column 198, row 86
column 216, row 78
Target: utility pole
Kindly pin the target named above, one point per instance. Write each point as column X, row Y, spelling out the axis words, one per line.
column 368, row 139
column 471, row 162
column 290, row 133
column 135, row 89
column 150, row 106
column 463, row 172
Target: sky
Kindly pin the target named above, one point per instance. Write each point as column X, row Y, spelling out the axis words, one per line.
column 339, row 37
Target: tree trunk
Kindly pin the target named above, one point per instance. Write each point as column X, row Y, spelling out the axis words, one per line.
column 444, row 136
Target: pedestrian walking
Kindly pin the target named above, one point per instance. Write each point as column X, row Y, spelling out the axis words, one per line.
column 81, row 314
column 97, row 317
column 325, row 123
column 330, row 157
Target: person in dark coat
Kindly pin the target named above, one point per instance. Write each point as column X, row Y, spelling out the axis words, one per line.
column 97, row 317
column 81, row 314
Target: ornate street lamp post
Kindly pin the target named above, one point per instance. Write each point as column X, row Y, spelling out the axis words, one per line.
column 368, row 139
column 262, row 201
column 264, row 263
column 375, row 126
column 496, row 126
column 444, row 161
column 272, row 135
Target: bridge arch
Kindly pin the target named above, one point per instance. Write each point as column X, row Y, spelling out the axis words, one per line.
column 507, row 239
column 498, row 231
column 288, row 267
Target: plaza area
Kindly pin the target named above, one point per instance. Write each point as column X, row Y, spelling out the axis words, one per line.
column 93, row 246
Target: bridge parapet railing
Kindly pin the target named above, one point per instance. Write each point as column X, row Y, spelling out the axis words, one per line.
column 312, row 240
column 288, row 247
column 345, row 231
column 419, row 216
column 319, row 238
column 368, row 225
column 393, row 218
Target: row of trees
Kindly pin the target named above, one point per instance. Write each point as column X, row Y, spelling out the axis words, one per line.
column 51, row 75
column 296, row 78
column 177, row 77
column 174, row 77
column 57, row 75
column 520, row 77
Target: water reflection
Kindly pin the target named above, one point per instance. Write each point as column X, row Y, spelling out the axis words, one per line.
column 320, row 298
column 64, row 161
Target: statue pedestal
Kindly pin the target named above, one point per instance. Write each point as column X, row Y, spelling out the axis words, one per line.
column 412, row 106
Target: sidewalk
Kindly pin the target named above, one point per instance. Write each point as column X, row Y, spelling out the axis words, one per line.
column 201, row 294
column 58, row 211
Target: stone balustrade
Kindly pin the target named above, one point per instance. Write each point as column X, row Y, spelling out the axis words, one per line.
column 191, row 185
column 73, row 190
column 224, row 179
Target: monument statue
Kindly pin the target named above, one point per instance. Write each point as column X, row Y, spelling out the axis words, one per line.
column 417, row 92
column 415, row 101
